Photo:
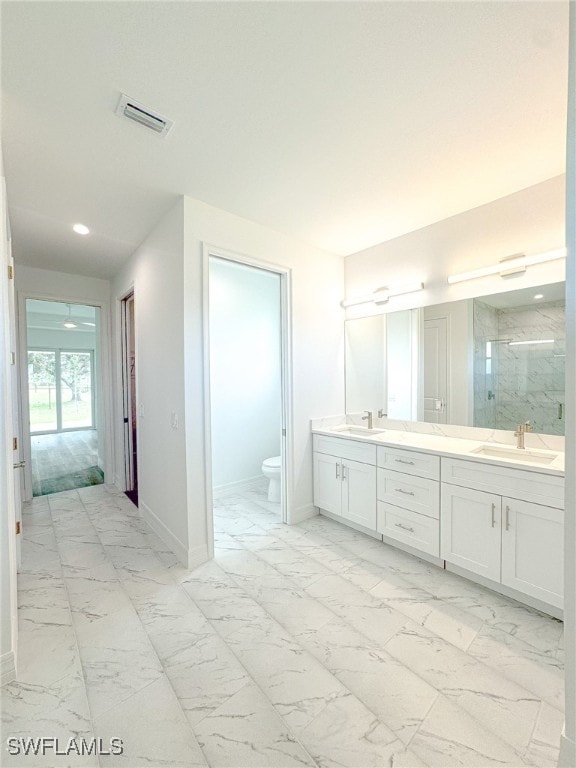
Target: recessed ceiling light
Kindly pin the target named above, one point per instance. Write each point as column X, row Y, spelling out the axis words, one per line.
column 539, row 296
column 81, row 229
column 70, row 324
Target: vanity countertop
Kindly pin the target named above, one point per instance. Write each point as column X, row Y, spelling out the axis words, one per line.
column 542, row 461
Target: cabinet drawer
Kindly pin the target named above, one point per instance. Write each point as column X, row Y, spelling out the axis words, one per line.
column 420, row 532
column 345, row 449
column 517, row 483
column 410, row 492
column 411, row 462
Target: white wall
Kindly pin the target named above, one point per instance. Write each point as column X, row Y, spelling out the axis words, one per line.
column 54, row 339
column 155, row 271
column 74, row 289
column 317, row 343
column 245, row 364
column 461, row 358
column 529, row 221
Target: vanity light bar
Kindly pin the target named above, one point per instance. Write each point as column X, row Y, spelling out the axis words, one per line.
column 509, row 266
column 382, row 295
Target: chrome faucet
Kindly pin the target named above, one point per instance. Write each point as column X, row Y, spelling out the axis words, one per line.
column 381, row 414
column 368, row 417
column 520, row 432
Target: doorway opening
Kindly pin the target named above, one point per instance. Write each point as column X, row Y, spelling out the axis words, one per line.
column 129, row 397
column 63, row 353
column 247, row 368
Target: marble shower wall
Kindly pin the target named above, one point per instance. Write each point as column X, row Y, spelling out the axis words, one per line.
column 485, row 331
column 526, row 379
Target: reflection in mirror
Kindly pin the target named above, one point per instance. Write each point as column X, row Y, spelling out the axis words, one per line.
column 519, row 353
column 382, row 364
column 493, row 362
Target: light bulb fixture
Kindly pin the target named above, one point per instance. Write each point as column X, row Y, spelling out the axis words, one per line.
column 69, row 323
column 383, row 295
column 539, row 296
column 511, row 265
column 530, row 341
column 81, row 229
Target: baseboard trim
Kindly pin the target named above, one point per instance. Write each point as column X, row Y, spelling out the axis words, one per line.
column 413, row 551
column 567, row 758
column 514, row 594
column 305, row 512
column 237, row 485
column 349, row 524
column 161, row 530
column 7, row 668
column 197, row 557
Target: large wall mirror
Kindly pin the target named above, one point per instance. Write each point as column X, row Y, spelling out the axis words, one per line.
column 492, row 361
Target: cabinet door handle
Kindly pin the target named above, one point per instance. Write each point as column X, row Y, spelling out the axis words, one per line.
column 337, row 470
column 493, row 515
column 403, row 461
column 507, row 517
column 401, row 490
column 343, row 471
column 404, row 527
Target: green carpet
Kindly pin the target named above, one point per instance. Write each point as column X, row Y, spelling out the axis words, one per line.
column 79, row 479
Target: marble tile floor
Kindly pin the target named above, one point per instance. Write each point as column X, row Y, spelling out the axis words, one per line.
column 308, row 645
column 56, row 457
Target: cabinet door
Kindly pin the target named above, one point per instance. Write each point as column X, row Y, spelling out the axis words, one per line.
column 328, row 483
column 470, row 531
column 532, row 550
column 359, row 493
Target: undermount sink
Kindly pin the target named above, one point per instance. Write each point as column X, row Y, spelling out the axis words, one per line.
column 524, row 455
column 357, row 431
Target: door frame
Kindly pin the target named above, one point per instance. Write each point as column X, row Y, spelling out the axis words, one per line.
column 102, row 378
column 286, row 446
column 128, row 412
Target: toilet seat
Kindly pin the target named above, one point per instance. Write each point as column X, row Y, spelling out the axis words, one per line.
column 274, row 462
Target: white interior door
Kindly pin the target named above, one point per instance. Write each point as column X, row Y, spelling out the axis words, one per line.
column 435, row 383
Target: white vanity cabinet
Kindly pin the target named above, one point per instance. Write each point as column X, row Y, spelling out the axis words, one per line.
column 471, row 522
column 503, row 535
column 345, row 479
column 533, row 550
column 408, row 491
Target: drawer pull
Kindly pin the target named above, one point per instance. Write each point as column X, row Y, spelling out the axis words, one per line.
column 403, row 461
column 507, row 517
column 404, row 527
column 493, row 515
column 401, row 490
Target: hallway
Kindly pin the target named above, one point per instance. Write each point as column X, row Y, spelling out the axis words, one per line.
column 304, row 645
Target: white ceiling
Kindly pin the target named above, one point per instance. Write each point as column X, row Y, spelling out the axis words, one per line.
column 343, row 123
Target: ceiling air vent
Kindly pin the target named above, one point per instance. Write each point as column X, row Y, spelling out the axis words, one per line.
column 133, row 110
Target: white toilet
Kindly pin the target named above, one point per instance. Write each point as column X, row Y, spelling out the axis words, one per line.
column 272, row 469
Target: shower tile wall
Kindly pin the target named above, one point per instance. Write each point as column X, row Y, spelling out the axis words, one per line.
column 527, row 379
